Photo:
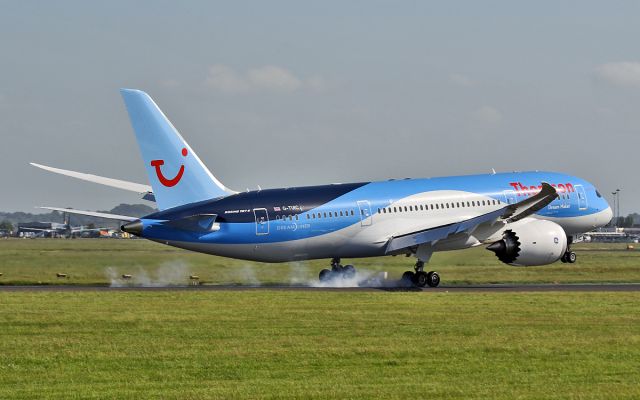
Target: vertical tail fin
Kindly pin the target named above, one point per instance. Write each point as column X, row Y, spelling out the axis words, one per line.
column 176, row 174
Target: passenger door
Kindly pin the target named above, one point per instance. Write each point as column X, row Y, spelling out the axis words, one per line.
column 365, row 212
column 582, row 197
column 262, row 221
column 510, row 197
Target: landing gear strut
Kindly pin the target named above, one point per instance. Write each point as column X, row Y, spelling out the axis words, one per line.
column 337, row 271
column 569, row 256
column 420, row 278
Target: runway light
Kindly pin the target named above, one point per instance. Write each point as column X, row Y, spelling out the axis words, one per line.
column 61, row 275
column 0, row 273
column 629, row 247
column 126, row 276
column 194, row 277
column 194, row 280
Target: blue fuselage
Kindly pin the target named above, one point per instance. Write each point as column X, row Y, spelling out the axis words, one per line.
column 353, row 220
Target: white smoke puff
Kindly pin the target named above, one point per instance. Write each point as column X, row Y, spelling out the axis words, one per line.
column 247, row 275
column 112, row 275
column 299, row 274
column 362, row 278
column 173, row 273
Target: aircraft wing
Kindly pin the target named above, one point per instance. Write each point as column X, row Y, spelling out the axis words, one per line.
column 528, row 206
column 116, row 183
column 92, row 213
column 509, row 213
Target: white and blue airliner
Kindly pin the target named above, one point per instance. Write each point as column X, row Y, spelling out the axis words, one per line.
column 525, row 218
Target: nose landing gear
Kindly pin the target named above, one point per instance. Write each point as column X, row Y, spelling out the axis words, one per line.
column 569, row 256
column 420, row 278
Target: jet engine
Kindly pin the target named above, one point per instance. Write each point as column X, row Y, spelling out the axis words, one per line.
column 531, row 242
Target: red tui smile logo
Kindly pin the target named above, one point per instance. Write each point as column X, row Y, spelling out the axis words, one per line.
column 168, row 182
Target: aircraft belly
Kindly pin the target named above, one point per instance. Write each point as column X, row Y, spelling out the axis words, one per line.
column 343, row 243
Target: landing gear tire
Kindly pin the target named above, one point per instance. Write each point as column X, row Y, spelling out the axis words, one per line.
column 348, row 272
column 325, row 275
column 337, row 271
column 571, row 257
column 408, row 277
column 433, row 279
column 564, row 258
column 420, row 279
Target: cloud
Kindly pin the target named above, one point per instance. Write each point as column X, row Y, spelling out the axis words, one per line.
column 625, row 74
column 487, row 114
column 460, row 80
column 273, row 78
column 225, row 79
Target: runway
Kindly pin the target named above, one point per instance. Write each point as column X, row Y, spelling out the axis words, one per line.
column 491, row 288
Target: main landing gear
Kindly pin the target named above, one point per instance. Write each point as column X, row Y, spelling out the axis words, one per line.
column 421, row 278
column 569, row 256
column 337, row 271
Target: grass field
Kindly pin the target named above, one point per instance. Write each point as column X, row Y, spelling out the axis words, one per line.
column 302, row 344
column 99, row 261
column 311, row 344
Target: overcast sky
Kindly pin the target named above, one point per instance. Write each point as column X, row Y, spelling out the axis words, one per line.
column 291, row 93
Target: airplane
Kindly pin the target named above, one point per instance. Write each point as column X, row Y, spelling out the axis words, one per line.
column 525, row 218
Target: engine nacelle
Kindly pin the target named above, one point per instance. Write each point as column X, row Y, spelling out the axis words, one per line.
column 531, row 242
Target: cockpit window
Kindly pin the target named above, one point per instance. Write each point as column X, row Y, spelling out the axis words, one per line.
column 598, row 194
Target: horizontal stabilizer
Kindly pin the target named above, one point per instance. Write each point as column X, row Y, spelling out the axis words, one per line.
column 116, row 183
column 92, row 213
column 203, row 223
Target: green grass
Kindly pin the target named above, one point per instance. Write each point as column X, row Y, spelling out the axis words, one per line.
column 302, row 344
column 99, row 261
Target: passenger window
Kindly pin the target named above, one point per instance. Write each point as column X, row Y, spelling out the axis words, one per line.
column 437, row 207
column 297, row 217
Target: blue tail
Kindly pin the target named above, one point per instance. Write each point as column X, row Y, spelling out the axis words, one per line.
column 176, row 173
